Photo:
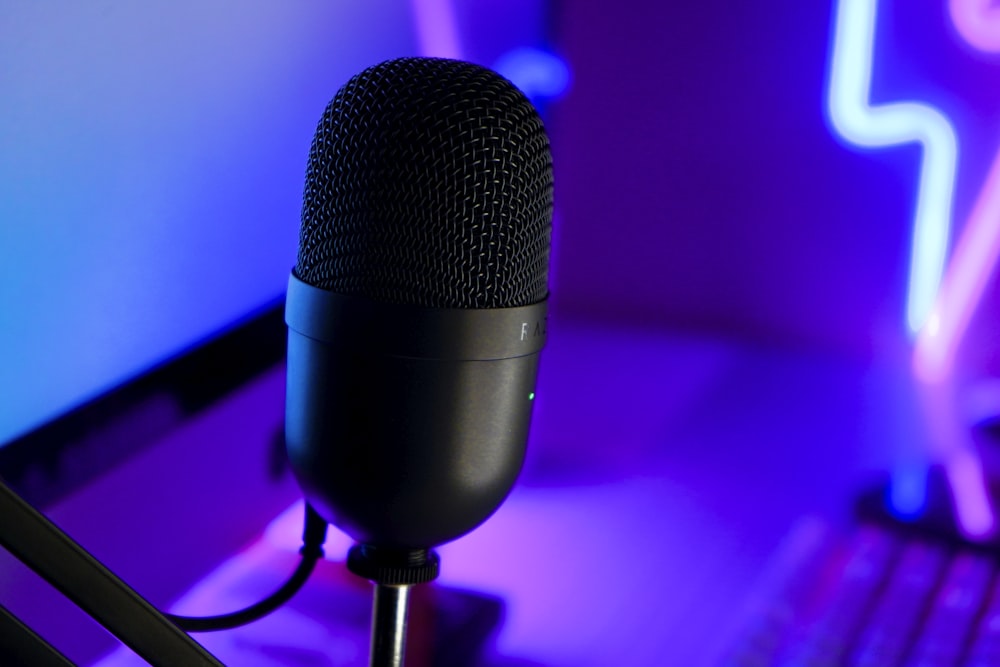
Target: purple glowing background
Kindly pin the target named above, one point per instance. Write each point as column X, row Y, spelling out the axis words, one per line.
column 978, row 22
column 698, row 189
column 437, row 29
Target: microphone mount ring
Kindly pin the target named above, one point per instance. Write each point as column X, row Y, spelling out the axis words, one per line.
column 393, row 567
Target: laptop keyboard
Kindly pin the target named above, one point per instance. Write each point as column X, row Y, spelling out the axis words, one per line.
column 876, row 598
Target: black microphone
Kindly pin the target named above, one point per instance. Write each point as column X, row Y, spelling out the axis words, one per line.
column 416, row 309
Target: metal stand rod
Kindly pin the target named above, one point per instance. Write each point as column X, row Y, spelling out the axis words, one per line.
column 56, row 557
column 389, row 609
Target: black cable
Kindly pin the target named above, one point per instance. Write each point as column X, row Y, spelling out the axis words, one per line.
column 313, row 536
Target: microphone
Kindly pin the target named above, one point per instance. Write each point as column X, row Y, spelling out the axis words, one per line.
column 416, row 309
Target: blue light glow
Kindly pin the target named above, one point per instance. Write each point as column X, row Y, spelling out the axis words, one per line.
column 892, row 124
column 539, row 74
column 908, row 491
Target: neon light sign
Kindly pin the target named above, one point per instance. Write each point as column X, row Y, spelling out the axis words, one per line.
column 939, row 304
column 978, row 248
column 890, row 125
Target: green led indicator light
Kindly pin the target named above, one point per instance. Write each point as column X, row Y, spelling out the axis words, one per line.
column 531, row 396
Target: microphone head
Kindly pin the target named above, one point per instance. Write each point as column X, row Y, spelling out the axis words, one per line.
column 429, row 183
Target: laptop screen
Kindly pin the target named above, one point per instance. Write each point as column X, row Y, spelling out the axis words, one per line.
column 152, row 158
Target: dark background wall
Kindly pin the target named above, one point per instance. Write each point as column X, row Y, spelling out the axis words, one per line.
column 700, row 186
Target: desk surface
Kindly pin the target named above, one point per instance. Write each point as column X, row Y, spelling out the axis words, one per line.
column 663, row 473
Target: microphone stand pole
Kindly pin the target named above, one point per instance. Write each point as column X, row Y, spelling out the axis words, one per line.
column 394, row 572
column 390, row 605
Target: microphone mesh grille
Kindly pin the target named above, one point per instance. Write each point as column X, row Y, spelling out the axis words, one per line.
column 429, row 183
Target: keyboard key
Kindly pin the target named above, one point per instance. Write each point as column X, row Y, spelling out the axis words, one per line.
column 822, row 637
column 873, row 600
column 883, row 641
column 774, row 604
column 985, row 648
column 952, row 616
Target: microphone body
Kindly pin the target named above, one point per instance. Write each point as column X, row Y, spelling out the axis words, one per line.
column 406, row 426
column 416, row 308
